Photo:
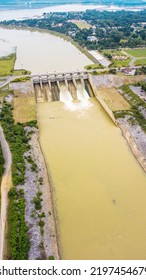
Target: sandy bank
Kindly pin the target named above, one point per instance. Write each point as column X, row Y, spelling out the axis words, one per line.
column 136, row 140
column 5, row 185
column 49, row 238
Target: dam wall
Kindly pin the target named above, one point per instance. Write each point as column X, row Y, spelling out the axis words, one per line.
column 47, row 87
column 101, row 101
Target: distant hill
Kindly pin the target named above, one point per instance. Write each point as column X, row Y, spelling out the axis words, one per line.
column 23, row 4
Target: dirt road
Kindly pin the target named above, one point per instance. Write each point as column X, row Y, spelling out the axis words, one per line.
column 5, row 185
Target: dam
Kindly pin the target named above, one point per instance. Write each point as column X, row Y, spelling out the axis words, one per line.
column 47, row 87
column 98, row 187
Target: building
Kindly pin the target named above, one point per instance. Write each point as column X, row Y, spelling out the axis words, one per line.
column 128, row 71
column 92, row 39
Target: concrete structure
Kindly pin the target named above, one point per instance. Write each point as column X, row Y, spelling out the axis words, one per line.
column 47, row 86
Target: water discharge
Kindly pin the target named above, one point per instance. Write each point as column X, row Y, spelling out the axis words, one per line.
column 99, row 188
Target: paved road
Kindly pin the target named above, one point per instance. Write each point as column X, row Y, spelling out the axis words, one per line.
column 9, row 79
column 5, row 185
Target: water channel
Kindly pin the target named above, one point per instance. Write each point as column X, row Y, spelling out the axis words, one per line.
column 99, row 189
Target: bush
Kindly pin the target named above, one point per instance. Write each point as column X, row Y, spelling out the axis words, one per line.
column 51, row 258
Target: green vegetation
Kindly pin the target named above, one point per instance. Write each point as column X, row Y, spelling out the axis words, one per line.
column 137, row 52
column 118, row 59
column 120, row 29
column 51, row 258
column 142, row 85
column 37, row 200
column 140, row 62
column 20, row 72
column 137, row 104
column 22, row 79
column 93, row 66
column 7, row 64
column 82, row 24
column 140, row 71
column 32, row 163
column 4, row 91
column 17, row 232
column 112, row 52
column 120, row 63
column 18, row 142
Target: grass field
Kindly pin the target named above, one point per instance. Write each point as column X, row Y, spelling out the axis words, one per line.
column 93, row 66
column 121, row 63
column 24, row 109
column 113, row 52
column 113, row 99
column 137, row 52
column 140, row 62
column 116, row 62
column 81, row 24
column 20, row 72
column 4, row 91
column 7, row 64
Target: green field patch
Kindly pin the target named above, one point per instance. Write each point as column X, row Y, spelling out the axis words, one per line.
column 20, row 72
column 7, row 64
column 93, row 66
column 121, row 63
column 140, row 62
column 136, row 52
column 82, row 24
column 4, row 91
column 113, row 52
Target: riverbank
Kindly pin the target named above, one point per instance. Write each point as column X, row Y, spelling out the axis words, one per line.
column 136, row 140
column 134, row 135
column 49, row 237
column 5, row 186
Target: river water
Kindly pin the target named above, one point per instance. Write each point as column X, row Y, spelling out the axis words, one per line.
column 42, row 52
column 99, row 189
column 34, row 13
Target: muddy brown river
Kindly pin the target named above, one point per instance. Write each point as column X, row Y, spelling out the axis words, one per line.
column 99, row 188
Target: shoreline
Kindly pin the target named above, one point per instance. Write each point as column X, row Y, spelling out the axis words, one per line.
column 49, row 191
column 5, row 186
column 140, row 157
column 43, row 245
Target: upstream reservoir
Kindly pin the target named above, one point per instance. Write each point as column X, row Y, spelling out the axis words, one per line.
column 99, row 189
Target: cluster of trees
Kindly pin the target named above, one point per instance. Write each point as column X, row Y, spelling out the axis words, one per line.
column 137, row 106
column 142, row 85
column 141, row 71
column 17, row 233
column 18, row 142
column 113, row 29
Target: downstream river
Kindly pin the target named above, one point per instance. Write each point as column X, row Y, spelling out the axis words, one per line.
column 99, row 189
